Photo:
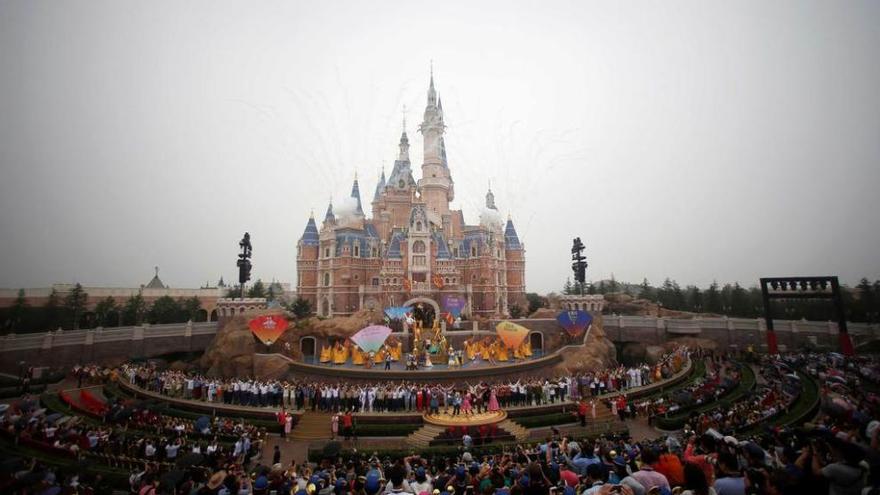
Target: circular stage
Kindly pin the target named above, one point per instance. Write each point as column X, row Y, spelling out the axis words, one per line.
column 447, row 419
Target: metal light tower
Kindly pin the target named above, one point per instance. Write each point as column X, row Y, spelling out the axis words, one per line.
column 244, row 261
column 579, row 262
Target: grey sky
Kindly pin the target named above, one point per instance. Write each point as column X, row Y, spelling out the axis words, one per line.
column 671, row 136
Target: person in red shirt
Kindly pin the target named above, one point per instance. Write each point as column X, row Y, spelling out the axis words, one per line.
column 582, row 412
column 347, row 424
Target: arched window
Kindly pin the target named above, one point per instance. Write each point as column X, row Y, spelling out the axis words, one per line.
column 326, row 280
column 418, row 226
column 357, row 251
column 419, row 246
column 473, row 251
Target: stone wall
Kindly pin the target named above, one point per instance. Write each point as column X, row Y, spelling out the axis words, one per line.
column 83, row 346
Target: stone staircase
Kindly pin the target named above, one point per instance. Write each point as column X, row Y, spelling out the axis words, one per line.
column 313, row 426
column 422, row 437
column 521, row 434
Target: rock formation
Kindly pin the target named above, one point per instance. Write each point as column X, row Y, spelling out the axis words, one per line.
column 597, row 352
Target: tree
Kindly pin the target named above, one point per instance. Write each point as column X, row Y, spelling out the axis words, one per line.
column 515, row 311
column 866, row 303
column 300, row 307
column 694, row 299
column 190, row 308
column 535, row 301
column 52, row 310
column 106, row 312
column 75, row 304
column 646, row 291
column 567, row 288
column 234, row 292
column 164, row 310
column 739, row 301
column 257, row 290
column 134, row 310
column 17, row 311
column 713, row 299
column 613, row 286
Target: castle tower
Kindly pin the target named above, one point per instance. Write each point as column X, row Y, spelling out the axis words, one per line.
column 436, row 182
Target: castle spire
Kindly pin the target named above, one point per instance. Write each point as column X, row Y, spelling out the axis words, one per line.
column 329, row 216
column 403, row 156
column 310, row 234
column 432, row 93
column 356, row 194
column 380, row 186
column 490, row 198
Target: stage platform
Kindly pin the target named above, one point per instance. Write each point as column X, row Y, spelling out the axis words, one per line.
column 438, row 373
column 478, row 419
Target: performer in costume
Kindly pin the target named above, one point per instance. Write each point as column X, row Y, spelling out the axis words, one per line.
column 502, row 353
column 493, row 401
column 357, row 356
column 326, row 354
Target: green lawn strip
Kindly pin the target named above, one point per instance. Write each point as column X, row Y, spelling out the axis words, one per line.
column 746, row 384
column 117, row 477
column 54, row 403
column 113, row 391
column 801, row 410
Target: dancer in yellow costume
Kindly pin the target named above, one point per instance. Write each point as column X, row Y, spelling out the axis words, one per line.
column 397, row 351
column 503, row 354
column 527, row 349
column 470, row 350
column 357, row 356
column 485, row 351
column 379, row 358
column 326, row 354
column 340, row 354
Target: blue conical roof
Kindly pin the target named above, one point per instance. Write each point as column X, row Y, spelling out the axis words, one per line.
column 511, row 240
column 356, row 194
column 329, row 216
column 380, row 186
column 310, row 235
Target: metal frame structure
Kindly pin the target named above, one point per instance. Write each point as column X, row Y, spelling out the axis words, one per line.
column 818, row 287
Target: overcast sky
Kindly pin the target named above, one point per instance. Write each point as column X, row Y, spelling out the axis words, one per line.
column 693, row 140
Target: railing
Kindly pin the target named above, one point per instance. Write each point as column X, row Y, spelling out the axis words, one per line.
column 48, row 340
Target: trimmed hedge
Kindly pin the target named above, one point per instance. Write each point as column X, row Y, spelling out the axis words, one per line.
column 379, row 430
column 546, row 420
column 803, row 408
column 678, row 420
column 10, row 392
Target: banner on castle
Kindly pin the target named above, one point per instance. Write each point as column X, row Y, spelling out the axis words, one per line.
column 511, row 334
column 454, row 305
column 268, row 328
column 397, row 312
column 372, row 338
column 574, row 322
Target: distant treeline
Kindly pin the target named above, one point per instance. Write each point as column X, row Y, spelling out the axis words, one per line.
column 861, row 303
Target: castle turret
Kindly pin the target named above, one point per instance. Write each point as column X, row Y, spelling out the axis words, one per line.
column 436, row 183
column 356, row 194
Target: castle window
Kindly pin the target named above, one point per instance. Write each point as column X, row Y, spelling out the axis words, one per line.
column 455, row 252
column 446, row 281
column 375, row 281
column 401, row 184
column 419, row 260
column 419, row 246
column 357, row 251
column 473, row 251
column 326, row 280
column 394, row 280
column 418, row 226
column 326, row 252
column 374, row 252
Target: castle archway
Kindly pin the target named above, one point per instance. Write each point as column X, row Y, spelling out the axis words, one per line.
column 536, row 340
column 428, row 313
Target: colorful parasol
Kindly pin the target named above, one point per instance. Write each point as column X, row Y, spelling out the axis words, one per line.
column 370, row 339
column 268, row 328
column 511, row 334
column 574, row 322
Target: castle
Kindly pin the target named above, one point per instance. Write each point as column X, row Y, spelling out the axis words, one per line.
column 414, row 249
